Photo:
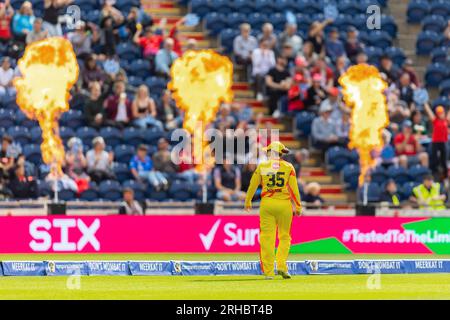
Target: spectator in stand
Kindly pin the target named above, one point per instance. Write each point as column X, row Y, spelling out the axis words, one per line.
column 268, row 35
column 129, row 205
column 343, row 128
column 388, row 68
column 162, row 160
column 175, row 36
column 296, row 159
column 312, row 195
column 99, row 161
column 6, row 15
column 118, row 106
column 406, row 89
column 141, row 167
column 316, row 36
column 406, row 144
column 301, row 68
column 429, row 195
column 321, row 68
column 5, row 192
column 340, row 67
column 108, row 36
column 165, row 58
column 144, row 109
column 323, row 129
column 352, row 44
column 361, row 58
column 150, row 42
column 315, row 94
column 289, row 35
column 334, row 47
column 419, row 126
column 136, row 19
column 243, row 46
column 297, row 94
column 227, row 180
column 398, row 111
column 108, row 10
column 287, row 51
column 308, row 53
column 82, row 38
column 6, row 79
column 408, row 67
column 23, row 186
column 168, row 113
column 76, row 164
column 390, row 194
column 242, row 114
column 439, row 139
column 23, row 20
column 7, row 161
column 278, row 82
column 91, row 72
column 224, row 118
column 59, row 182
column 246, row 176
column 335, row 101
column 52, row 9
column 263, row 59
column 94, row 110
column 37, row 33
column 386, row 157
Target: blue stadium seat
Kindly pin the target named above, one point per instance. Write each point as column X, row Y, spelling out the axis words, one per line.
column 222, row 6
column 135, row 81
column 128, row 51
column 110, row 190
column 418, row 172
column 380, row 39
column 157, row 195
column 388, row 24
column 133, row 136
column 243, row 6
column 373, row 54
column 126, row 5
column 180, row 191
column 23, row 121
column 303, row 121
column 226, row 39
column 200, row 7
column 256, row 20
column 434, row 23
column 373, row 193
column 396, row 54
column 303, row 21
column 90, row 194
column 112, row 136
column 282, row 6
column 337, row 158
column 44, row 188
column 342, row 22
column 354, row 156
column 122, row 171
column 278, row 20
column 379, row 175
column 309, row 7
column 435, row 74
column 441, row 101
column 6, row 118
column 93, row 16
column 264, row 6
column 215, row 22
column 87, row 134
column 138, row 188
column 417, row 10
column 139, row 68
column 32, row 153
column 156, row 84
column 72, row 119
column 350, row 7
column 66, row 195
column 364, row 4
column 426, row 42
column 350, row 175
column 444, row 87
column 399, row 174
column 86, row 6
column 152, row 135
column 123, row 153
column 440, row 54
column 407, row 188
column 235, row 19
column 20, row 135
column 66, row 133
column 36, row 135
column 440, row 8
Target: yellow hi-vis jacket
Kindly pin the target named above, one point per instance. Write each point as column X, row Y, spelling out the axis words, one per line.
column 425, row 195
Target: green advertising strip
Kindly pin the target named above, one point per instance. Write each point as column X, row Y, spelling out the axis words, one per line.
column 327, row 245
column 434, row 233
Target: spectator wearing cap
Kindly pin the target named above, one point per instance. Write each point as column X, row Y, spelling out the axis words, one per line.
column 297, row 94
column 301, row 67
column 243, row 46
column 165, row 58
column 83, row 37
column 323, row 129
column 289, row 35
column 129, row 205
column 390, row 194
column 52, row 8
column 23, row 20
column 162, row 160
column 118, row 106
column 268, row 35
column 388, row 68
column 439, row 139
column 99, row 161
column 408, row 67
column 407, row 145
column 144, row 109
column 142, row 169
column 278, row 82
column 315, row 93
column 23, row 186
column 263, row 59
column 352, row 44
column 335, row 101
column 429, row 195
column 227, row 180
column 327, row 76
column 334, row 47
column 6, row 14
column 6, row 78
column 37, row 33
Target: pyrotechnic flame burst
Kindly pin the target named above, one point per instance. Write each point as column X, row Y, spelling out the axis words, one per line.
column 363, row 90
column 49, row 69
column 201, row 81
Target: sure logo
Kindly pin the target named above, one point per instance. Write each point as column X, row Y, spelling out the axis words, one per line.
column 42, row 238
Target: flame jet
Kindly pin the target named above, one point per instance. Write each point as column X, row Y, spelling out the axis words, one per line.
column 201, row 81
column 363, row 90
column 49, row 69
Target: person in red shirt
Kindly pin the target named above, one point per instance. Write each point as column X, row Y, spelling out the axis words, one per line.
column 405, row 142
column 175, row 35
column 6, row 14
column 439, row 138
column 150, row 42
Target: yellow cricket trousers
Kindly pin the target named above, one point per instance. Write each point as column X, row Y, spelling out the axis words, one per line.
column 275, row 213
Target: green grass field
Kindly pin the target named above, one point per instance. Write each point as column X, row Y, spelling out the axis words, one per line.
column 418, row 286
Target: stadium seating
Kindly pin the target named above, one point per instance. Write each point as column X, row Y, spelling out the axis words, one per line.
column 435, row 74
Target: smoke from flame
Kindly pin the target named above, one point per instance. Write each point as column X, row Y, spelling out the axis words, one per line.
column 201, row 81
column 49, row 69
column 363, row 90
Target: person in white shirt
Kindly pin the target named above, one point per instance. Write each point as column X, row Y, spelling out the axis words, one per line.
column 6, row 78
column 290, row 35
column 263, row 59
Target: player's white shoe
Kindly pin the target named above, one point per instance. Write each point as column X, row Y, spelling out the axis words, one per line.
column 284, row 274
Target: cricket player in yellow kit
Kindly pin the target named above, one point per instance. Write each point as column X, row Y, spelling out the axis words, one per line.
column 280, row 199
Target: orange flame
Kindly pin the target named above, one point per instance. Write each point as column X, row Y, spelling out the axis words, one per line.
column 49, row 69
column 201, row 81
column 363, row 90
